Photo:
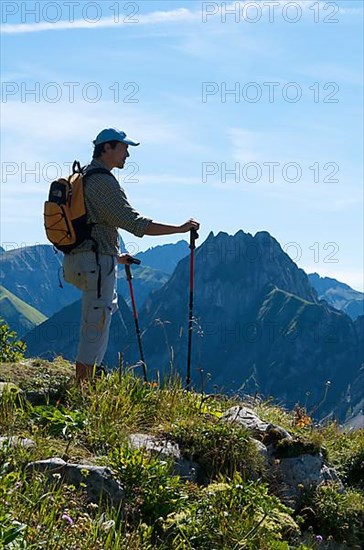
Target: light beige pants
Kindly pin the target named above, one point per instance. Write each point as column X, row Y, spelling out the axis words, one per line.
column 81, row 270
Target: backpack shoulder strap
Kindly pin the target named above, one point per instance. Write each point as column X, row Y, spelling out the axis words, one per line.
column 76, row 167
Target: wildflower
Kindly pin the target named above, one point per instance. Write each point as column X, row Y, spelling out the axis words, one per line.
column 319, row 539
column 303, row 421
column 66, row 517
column 301, row 418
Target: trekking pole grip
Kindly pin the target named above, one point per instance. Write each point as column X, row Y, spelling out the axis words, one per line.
column 129, row 276
column 193, row 238
column 131, row 261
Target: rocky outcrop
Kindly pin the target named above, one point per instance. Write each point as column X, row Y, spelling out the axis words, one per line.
column 15, row 441
column 260, row 430
column 293, row 465
column 186, row 469
column 295, row 475
column 99, row 481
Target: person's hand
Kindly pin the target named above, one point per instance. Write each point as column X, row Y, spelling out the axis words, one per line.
column 190, row 224
column 124, row 259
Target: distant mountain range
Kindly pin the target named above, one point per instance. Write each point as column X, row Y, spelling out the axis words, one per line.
column 259, row 326
column 165, row 257
column 339, row 295
column 59, row 335
column 260, row 323
column 34, row 274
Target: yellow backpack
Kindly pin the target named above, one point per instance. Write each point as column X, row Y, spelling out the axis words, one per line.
column 65, row 216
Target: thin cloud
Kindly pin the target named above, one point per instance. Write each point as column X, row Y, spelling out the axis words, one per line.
column 181, row 15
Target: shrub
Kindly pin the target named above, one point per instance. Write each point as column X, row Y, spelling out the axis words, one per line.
column 11, row 349
column 345, row 450
column 58, row 421
column 339, row 514
column 218, row 448
column 150, row 488
column 354, row 470
column 228, row 515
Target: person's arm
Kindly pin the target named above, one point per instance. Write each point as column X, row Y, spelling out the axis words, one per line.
column 112, row 205
column 155, row 228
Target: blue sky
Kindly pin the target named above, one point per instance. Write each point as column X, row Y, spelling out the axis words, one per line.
column 144, row 67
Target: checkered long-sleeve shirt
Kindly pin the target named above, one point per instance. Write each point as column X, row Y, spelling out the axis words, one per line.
column 108, row 208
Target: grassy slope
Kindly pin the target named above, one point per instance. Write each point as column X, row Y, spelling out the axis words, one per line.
column 92, row 425
column 19, row 315
column 37, row 375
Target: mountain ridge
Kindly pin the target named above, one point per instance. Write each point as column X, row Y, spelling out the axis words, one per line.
column 338, row 294
column 18, row 315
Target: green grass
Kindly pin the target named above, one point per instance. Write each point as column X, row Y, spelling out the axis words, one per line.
column 230, row 506
column 37, row 376
column 19, row 315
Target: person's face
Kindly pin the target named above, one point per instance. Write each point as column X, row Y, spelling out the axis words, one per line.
column 116, row 157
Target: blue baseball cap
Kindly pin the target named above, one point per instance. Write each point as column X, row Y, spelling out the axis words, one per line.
column 111, row 134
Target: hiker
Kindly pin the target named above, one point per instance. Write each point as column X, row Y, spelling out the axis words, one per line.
column 91, row 266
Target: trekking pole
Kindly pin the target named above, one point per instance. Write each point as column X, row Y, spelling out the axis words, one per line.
column 135, row 314
column 193, row 237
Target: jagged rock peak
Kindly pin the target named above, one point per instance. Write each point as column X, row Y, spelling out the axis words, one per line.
column 265, row 236
column 261, row 237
